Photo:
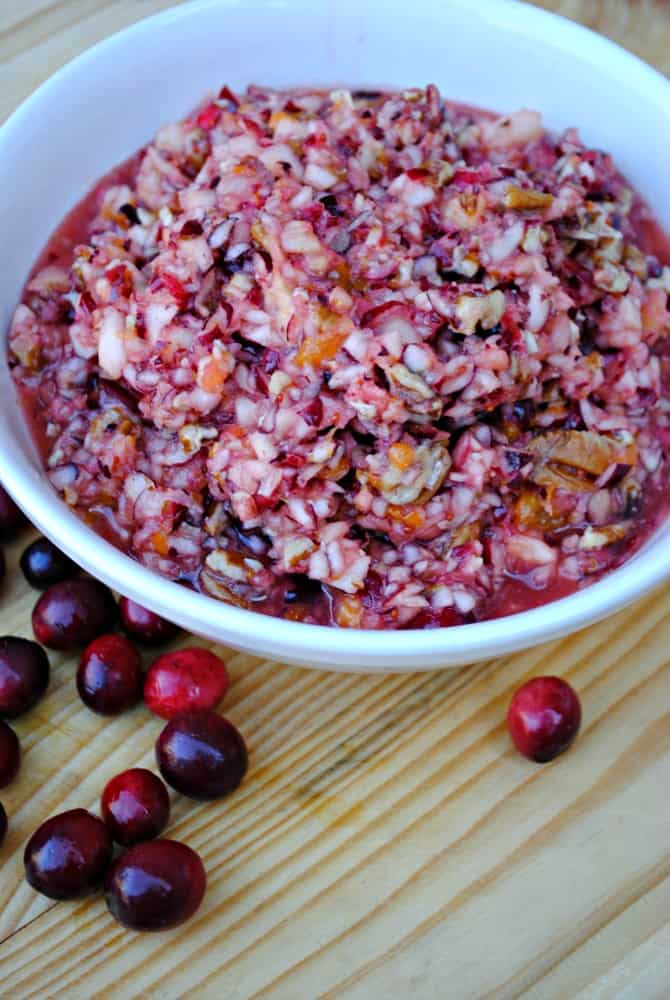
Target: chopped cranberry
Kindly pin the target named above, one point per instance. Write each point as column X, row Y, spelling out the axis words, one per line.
column 145, row 626
column 311, row 213
column 371, row 317
column 191, row 229
column 10, row 754
column 265, row 502
column 155, row 885
column 293, row 461
column 226, row 94
column 543, row 718
column 109, row 678
column 121, row 280
column 87, row 303
column 135, row 806
column 208, row 117
column 68, row 855
column 313, row 412
column 418, row 173
column 185, row 679
column 466, row 177
column 43, row 564
column 3, row 823
column 24, row 675
column 12, row 519
column 201, row 755
column 176, row 289
column 72, row 613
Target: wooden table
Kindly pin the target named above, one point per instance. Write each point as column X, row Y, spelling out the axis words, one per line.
column 387, row 842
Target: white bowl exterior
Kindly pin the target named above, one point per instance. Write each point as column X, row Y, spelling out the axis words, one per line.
column 103, row 106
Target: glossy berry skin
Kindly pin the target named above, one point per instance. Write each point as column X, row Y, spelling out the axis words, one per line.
column 10, row 754
column 12, row 519
column 145, row 626
column 109, row 677
column 135, row 806
column 3, row 823
column 543, row 718
column 155, row 885
column 68, row 855
column 73, row 613
column 43, row 564
column 202, row 755
column 185, row 679
column 24, row 675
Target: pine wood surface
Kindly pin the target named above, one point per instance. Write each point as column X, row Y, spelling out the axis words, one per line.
column 387, row 841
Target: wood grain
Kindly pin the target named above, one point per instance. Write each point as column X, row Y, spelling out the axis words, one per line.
column 387, row 841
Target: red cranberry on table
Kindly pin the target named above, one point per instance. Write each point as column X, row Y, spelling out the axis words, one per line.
column 74, row 612
column 10, row 754
column 43, row 564
column 135, row 806
column 68, row 855
column 109, row 677
column 3, row 823
column 24, row 675
column 185, row 679
column 145, row 626
column 155, row 885
column 202, row 755
column 12, row 519
column 543, row 718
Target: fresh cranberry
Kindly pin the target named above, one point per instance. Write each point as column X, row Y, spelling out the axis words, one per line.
column 135, row 806
column 43, row 564
column 68, row 855
column 543, row 718
column 12, row 519
column 24, row 675
column 3, row 823
column 201, row 755
column 73, row 612
column 10, row 754
column 155, row 885
column 109, row 678
column 145, row 626
column 185, row 679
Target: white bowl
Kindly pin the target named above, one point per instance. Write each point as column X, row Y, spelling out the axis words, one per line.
column 100, row 108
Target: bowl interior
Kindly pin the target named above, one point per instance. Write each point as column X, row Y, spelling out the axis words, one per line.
column 101, row 108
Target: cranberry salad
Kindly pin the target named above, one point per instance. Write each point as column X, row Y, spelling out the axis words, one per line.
column 366, row 359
